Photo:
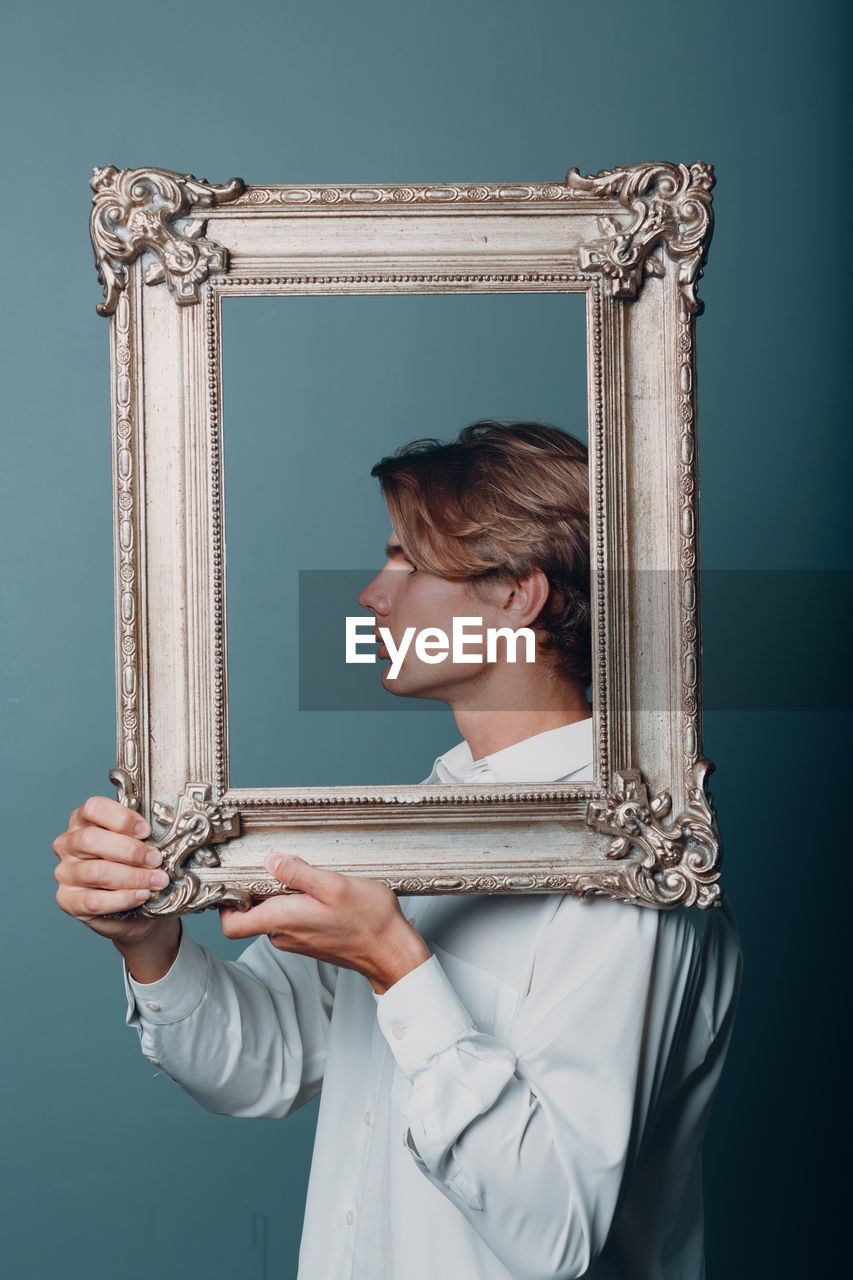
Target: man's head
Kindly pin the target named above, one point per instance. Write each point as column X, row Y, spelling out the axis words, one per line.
column 494, row 506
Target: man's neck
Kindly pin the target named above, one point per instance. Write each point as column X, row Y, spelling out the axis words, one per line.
column 489, row 731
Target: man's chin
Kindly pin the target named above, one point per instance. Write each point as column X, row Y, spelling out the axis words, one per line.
column 409, row 688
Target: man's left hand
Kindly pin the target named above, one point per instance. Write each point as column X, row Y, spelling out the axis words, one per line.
column 344, row 920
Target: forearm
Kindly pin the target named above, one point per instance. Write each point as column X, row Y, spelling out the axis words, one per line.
column 397, row 954
column 504, row 1174
column 151, row 958
column 243, row 1038
column 539, row 1188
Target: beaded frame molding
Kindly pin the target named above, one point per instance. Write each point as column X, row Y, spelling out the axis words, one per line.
column 634, row 241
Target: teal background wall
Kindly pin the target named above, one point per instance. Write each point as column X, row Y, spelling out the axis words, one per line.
column 315, row 391
column 110, row 1172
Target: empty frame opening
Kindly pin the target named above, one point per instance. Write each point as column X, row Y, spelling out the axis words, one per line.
column 316, row 390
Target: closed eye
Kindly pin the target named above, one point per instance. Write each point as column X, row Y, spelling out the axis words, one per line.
column 394, row 551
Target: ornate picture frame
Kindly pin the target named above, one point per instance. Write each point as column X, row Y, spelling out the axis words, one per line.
column 634, row 241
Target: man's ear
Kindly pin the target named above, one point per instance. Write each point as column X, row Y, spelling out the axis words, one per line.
column 525, row 598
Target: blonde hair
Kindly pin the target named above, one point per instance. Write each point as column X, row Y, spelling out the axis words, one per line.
column 501, row 500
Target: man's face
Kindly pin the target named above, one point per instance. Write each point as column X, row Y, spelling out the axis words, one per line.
column 403, row 595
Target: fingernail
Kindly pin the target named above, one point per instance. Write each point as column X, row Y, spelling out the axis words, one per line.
column 158, row 879
column 142, row 829
column 142, row 894
column 153, row 858
column 273, row 862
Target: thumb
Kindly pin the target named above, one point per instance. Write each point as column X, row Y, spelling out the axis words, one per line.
column 293, row 872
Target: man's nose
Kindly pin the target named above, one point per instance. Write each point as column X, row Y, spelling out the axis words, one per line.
column 374, row 597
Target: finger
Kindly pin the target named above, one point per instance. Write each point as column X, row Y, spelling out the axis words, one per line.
column 104, row 812
column 97, row 842
column 300, row 875
column 97, row 873
column 266, row 917
column 84, row 903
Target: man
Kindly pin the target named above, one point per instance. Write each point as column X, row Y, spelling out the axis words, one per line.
column 512, row 1086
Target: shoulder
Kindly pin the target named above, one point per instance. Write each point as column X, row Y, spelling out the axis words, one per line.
column 548, row 946
column 679, row 955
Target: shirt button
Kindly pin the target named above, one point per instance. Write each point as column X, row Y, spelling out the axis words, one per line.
column 413, row 921
column 155, row 1062
column 350, row 1217
column 152, row 1005
column 367, row 1117
column 398, row 1032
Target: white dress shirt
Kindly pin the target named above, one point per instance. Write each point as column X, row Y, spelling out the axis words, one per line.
column 527, row 1104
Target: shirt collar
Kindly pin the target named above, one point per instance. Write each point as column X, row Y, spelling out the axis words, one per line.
column 558, row 755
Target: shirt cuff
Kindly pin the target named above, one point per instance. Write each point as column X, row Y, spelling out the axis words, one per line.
column 421, row 1015
column 175, row 995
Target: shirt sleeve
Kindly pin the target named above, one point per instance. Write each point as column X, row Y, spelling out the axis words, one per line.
column 245, row 1037
column 531, row 1133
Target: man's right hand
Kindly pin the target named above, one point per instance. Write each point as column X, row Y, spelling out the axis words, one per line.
column 104, row 867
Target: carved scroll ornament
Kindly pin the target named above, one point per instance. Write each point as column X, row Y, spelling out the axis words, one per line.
column 675, row 865
column 671, row 205
column 134, row 210
column 196, row 824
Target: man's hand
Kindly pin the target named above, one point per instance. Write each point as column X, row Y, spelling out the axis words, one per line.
column 104, row 867
column 344, row 920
